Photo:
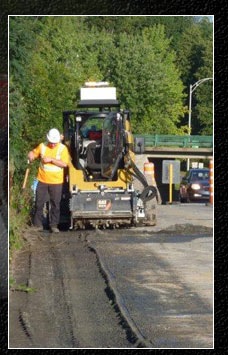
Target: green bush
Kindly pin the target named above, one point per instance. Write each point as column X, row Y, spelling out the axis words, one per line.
column 20, row 216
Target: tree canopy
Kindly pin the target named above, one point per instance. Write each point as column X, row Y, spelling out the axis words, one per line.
column 151, row 60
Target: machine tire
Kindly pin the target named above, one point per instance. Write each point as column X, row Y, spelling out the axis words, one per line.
column 182, row 199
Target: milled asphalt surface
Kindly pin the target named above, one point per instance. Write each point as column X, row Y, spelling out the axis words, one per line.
column 160, row 279
column 162, row 276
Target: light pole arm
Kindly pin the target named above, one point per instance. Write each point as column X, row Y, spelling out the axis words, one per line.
column 190, row 109
column 194, row 86
column 191, row 89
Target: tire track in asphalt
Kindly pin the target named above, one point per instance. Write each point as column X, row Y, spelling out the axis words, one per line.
column 72, row 306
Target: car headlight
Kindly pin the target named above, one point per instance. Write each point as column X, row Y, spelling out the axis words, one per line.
column 195, row 186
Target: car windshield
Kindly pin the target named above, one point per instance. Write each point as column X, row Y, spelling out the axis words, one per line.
column 199, row 175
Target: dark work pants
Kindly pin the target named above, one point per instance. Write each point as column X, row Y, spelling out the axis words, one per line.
column 53, row 194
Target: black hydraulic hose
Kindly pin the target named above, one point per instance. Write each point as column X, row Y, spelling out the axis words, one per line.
column 148, row 193
column 139, row 175
column 114, row 170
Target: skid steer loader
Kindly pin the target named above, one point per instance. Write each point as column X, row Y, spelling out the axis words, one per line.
column 102, row 171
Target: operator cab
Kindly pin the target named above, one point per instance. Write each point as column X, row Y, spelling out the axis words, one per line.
column 95, row 134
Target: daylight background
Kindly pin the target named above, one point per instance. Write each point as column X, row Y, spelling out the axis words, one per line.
column 151, row 60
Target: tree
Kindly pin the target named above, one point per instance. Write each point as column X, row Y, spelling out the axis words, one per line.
column 142, row 67
column 204, row 95
column 23, row 31
column 195, row 61
column 59, row 60
column 150, row 59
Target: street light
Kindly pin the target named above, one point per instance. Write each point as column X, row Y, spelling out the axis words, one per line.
column 191, row 89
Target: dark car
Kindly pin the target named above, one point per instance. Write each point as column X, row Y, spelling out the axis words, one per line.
column 195, row 185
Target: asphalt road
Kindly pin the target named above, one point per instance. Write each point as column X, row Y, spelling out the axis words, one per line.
column 66, row 305
column 164, row 284
column 150, row 287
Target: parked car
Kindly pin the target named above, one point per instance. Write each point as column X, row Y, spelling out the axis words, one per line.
column 195, row 185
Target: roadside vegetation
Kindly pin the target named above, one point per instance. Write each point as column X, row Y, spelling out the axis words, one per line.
column 151, row 60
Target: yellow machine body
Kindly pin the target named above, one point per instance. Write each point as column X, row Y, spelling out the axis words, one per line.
column 100, row 174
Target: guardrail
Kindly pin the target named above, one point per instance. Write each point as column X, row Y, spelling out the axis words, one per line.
column 159, row 140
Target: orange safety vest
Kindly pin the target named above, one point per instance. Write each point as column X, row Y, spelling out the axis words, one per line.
column 50, row 173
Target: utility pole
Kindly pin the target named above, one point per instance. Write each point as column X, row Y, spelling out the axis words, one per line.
column 191, row 89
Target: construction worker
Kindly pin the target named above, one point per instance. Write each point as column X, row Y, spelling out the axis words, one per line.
column 53, row 159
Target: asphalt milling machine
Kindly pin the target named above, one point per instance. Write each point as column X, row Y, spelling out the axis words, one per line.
column 100, row 180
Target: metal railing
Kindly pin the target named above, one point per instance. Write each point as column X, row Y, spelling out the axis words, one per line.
column 161, row 140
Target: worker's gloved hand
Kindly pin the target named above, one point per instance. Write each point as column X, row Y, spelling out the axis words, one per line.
column 31, row 156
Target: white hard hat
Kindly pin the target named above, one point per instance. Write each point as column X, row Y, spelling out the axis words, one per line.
column 53, row 136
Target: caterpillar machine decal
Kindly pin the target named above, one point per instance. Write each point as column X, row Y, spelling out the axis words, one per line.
column 102, row 171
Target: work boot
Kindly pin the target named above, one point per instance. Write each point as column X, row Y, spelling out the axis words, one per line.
column 36, row 229
column 54, row 229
